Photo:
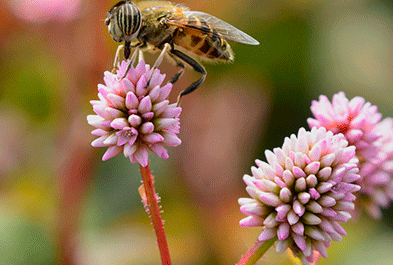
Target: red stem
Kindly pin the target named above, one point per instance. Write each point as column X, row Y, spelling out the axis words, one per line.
column 155, row 215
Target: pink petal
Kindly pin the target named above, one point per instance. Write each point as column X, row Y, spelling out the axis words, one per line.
column 298, row 208
column 134, row 120
column 111, row 152
column 171, row 112
column 119, row 123
column 160, row 107
column 292, row 217
column 147, row 128
column 153, row 138
column 142, row 156
column 132, row 101
column 283, row 231
column 300, row 241
column 116, row 100
column 251, row 221
column 282, row 210
column 298, row 228
column 129, row 149
column 127, row 86
column 145, row 105
column 99, row 142
column 270, row 199
column 160, row 151
column 157, row 79
column 154, row 93
column 170, row 139
column 99, row 132
column 267, row 234
column 140, row 89
column 165, row 92
column 148, row 116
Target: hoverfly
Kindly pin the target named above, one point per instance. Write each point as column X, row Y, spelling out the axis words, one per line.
column 183, row 35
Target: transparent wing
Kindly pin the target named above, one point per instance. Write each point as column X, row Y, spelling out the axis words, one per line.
column 226, row 30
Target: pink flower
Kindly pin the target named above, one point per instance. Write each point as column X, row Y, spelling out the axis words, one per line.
column 377, row 172
column 353, row 118
column 360, row 123
column 132, row 119
column 303, row 192
column 45, row 10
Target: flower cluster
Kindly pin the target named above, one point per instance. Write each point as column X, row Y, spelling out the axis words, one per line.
column 360, row 123
column 303, row 191
column 46, row 10
column 133, row 119
column 377, row 172
column 354, row 118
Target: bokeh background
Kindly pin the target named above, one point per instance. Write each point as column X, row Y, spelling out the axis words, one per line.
column 59, row 203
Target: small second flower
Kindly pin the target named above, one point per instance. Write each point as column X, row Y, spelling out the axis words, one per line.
column 303, row 192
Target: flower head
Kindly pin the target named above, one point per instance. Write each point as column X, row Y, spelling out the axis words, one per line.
column 353, row 118
column 303, row 191
column 133, row 119
column 377, row 172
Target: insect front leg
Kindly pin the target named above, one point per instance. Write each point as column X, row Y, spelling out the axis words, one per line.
column 120, row 48
column 196, row 66
column 134, row 55
column 158, row 62
column 141, row 56
column 132, row 61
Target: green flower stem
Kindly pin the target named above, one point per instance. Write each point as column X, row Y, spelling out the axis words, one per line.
column 155, row 215
column 256, row 252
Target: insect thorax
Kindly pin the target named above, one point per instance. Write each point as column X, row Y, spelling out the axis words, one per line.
column 153, row 31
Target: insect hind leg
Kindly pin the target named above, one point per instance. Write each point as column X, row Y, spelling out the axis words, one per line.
column 196, row 66
column 179, row 64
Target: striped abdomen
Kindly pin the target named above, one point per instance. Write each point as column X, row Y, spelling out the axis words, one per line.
column 198, row 37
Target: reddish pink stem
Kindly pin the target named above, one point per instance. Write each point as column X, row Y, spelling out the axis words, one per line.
column 155, row 215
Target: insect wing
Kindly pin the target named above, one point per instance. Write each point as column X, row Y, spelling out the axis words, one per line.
column 226, row 30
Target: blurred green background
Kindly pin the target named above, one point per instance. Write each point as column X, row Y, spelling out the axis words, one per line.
column 59, row 203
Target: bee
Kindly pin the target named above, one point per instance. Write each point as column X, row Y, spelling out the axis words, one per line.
column 186, row 37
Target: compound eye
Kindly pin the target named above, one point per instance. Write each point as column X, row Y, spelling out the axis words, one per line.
column 129, row 19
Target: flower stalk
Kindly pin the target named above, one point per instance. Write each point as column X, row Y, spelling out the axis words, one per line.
column 151, row 202
column 256, row 252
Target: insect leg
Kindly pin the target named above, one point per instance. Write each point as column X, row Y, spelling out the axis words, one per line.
column 196, row 66
column 131, row 63
column 141, row 56
column 180, row 64
column 117, row 57
column 158, row 62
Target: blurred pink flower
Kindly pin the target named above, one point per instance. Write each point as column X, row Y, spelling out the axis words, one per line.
column 133, row 119
column 377, row 172
column 353, row 118
column 360, row 123
column 46, row 10
column 303, row 191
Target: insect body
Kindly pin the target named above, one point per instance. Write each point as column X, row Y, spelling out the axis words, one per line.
column 183, row 35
